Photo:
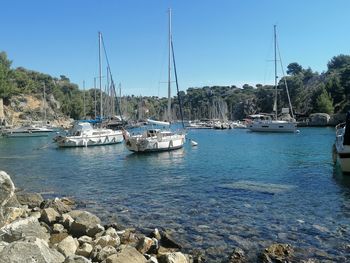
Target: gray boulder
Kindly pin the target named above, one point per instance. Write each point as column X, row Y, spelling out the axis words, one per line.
column 83, row 222
column 144, row 245
column 77, row 259
column 68, row 246
column 319, row 119
column 105, row 253
column 30, row 199
column 31, row 248
column 127, row 255
column 107, row 241
column 84, row 250
column 7, row 195
column 27, row 227
column 63, row 205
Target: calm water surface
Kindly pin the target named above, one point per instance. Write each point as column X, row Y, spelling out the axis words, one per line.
column 236, row 188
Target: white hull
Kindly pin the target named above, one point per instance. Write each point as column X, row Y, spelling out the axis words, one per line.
column 26, row 134
column 84, row 141
column 139, row 143
column 272, row 126
column 341, row 151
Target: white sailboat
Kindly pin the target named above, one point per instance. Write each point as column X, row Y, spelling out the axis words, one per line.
column 276, row 124
column 341, row 148
column 83, row 133
column 156, row 139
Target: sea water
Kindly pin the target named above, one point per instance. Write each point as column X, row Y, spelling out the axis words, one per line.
column 235, row 189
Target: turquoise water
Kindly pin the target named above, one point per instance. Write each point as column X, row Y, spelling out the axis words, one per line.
column 236, row 188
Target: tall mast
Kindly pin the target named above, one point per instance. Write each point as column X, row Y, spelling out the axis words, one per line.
column 44, row 104
column 100, row 71
column 95, row 98
column 276, row 77
column 84, row 98
column 169, row 70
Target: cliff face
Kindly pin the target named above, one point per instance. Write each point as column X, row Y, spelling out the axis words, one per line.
column 28, row 109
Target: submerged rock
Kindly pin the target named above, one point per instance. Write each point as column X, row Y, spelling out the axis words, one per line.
column 237, row 256
column 277, row 253
column 33, row 248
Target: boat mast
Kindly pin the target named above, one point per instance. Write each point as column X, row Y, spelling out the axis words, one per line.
column 44, row 104
column 100, row 71
column 84, row 98
column 169, row 70
column 276, row 77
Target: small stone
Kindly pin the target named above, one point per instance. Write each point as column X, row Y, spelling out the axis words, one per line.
column 111, row 232
column 107, row 241
column 49, row 215
column 94, row 231
column 68, row 246
column 156, row 234
column 76, row 259
column 84, row 239
column 84, row 250
column 277, row 253
column 144, row 245
column 175, row 257
column 105, row 253
column 58, row 228
column 237, row 256
column 57, row 238
column 66, row 220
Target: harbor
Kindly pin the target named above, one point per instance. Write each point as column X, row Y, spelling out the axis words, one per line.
column 211, row 197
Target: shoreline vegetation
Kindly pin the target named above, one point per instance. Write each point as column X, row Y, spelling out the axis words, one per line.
column 56, row 230
column 310, row 92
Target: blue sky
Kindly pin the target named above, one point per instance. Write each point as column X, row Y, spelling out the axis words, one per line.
column 222, row 42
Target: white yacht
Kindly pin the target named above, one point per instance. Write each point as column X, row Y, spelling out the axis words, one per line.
column 278, row 123
column 154, row 140
column 157, row 140
column 82, row 134
column 341, row 148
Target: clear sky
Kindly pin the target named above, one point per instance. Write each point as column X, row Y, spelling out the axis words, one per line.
column 216, row 42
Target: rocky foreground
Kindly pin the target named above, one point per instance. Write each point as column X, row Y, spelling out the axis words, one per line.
column 52, row 231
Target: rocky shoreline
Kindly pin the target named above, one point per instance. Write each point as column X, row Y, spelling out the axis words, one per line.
column 36, row 230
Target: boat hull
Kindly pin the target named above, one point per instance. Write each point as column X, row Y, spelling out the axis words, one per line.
column 141, row 145
column 273, row 126
column 70, row 142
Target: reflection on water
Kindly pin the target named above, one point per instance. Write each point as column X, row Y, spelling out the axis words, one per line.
column 236, row 188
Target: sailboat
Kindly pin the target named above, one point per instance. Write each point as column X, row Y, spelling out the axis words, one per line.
column 157, row 139
column 83, row 133
column 276, row 124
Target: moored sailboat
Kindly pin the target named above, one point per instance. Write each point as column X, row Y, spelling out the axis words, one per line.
column 155, row 139
column 277, row 124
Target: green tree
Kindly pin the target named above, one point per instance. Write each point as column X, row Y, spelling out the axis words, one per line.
column 324, row 102
column 338, row 62
column 294, row 69
column 7, row 88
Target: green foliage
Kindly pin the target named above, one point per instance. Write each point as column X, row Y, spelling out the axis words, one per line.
column 324, row 102
column 294, row 69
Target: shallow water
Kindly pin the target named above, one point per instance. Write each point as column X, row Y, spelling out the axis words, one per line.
column 236, row 188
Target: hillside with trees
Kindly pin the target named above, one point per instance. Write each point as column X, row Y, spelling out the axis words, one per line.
column 310, row 92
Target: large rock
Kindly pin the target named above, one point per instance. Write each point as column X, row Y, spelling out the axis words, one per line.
column 127, row 255
column 277, row 253
column 68, row 246
column 13, row 213
column 168, row 241
column 105, row 253
column 175, row 257
column 7, row 195
column 319, row 119
column 33, row 250
column 83, row 222
column 27, row 227
column 145, row 244
column 30, row 199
